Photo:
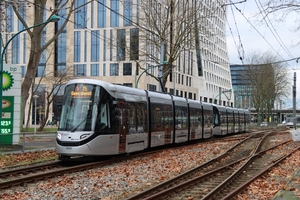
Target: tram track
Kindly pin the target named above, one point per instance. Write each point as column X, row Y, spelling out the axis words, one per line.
column 211, row 174
column 23, row 175
column 33, row 173
column 20, row 175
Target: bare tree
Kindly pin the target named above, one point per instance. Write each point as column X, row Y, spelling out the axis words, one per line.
column 269, row 81
column 280, row 10
column 55, row 86
column 171, row 27
column 37, row 47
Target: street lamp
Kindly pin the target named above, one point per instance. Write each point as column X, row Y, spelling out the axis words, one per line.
column 230, row 90
column 151, row 67
column 53, row 18
column 35, row 98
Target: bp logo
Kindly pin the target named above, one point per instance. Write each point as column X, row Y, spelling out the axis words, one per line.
column 8, row 80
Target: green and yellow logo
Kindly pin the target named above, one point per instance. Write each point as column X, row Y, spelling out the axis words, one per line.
column 8, row 80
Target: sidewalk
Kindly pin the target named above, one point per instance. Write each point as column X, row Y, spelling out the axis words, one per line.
column 31, row 143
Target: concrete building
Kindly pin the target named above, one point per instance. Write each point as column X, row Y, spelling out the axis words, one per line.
column 104, row 40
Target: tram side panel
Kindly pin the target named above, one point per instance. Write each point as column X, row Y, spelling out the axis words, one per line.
column 220, row 120
column 236, row 120
column 207, row 122
column 195, row 120
column 230, row 120
column 180, row 119
column 161, row 119
column 137, row 126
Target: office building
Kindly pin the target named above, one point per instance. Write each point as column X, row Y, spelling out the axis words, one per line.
column 107, row 40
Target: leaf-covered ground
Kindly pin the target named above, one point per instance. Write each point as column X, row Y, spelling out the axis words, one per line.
column 26, row 158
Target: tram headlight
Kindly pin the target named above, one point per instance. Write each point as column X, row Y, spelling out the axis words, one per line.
column 58, row 135
column 84, row 136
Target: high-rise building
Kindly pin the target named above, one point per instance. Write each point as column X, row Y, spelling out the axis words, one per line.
column 241, row 86
column 120, row 41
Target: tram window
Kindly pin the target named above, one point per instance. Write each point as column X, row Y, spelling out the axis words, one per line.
column 131, row 119
column 181, row 117
column 103, row 121
column 196, row 118
column 161, row 117
column 136, row 118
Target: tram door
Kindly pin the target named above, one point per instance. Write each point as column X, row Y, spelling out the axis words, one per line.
column 122, row 126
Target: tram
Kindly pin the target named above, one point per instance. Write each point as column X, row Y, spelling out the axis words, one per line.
column 100, row 118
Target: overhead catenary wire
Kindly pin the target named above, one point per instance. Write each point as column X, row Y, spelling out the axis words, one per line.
column 261, row 35
column 272, row 28
column 239, row 47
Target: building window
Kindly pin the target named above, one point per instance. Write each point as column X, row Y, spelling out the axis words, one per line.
column 61, row 51
column 9, row 18
column 95, row 46
column 151, row 87
column 41, row 71
column 128, row 84
column 114, row 13
column 114, row 69
column 187, row 81
column 77, row 46
column 80, row 70
column 94, row 69
column 60, row 70
column 23, row 68
column 127, row 69
column 80, row 16
column 101, row 13
column 121, row 44
column 104, row 45
column 171, row 91
column 15, row 50
column 104, row 69
column 24, row 49
column 111, row 46
column 127, row 13
column 134, row 44
column 43, row 55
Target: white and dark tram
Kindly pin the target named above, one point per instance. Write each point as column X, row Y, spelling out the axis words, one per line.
column 100, row 118
column 228, row 120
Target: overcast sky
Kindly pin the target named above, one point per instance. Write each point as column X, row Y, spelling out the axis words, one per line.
column 247, row 33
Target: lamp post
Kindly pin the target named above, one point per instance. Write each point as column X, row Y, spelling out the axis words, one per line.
column 35, row 98
column 53, row 18
column 220, row 94
column 137, row 81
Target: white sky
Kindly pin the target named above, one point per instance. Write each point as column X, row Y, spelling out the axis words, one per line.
column 246, row 30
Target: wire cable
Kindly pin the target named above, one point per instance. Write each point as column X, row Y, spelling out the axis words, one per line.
column 274, row 33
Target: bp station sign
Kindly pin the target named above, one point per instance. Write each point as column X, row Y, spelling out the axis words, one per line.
column 11, row 105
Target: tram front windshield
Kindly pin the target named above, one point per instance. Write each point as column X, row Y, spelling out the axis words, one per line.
column 80, row 107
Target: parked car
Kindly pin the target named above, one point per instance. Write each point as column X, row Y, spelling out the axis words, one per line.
column 264, row 124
